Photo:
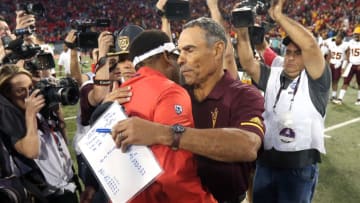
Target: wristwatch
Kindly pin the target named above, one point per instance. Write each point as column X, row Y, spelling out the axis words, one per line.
column 177, row 131
column 102, row 61
column 159, row 12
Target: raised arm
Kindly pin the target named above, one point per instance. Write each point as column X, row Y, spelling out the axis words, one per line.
column 313, row 59
column 246, row 56
column 97, row 95
column 229, row 57
column 165, row 23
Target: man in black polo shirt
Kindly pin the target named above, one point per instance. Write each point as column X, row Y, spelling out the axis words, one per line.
column 227, row 114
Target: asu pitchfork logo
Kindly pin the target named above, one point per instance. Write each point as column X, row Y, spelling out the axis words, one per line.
column 214, row 115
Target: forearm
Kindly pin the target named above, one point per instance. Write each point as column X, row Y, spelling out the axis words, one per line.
column 165, row 26
column 246, row 56
column 29, row 145
column 222, row 144
column 74, row 67
column 299, row 34
column 97, row 95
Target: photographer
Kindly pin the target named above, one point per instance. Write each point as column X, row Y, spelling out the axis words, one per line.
column 34, row 136
column 296, row 96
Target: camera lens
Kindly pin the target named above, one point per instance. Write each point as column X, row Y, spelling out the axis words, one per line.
column 68, row 95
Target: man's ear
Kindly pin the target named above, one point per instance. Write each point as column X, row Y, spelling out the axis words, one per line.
column 219, row 48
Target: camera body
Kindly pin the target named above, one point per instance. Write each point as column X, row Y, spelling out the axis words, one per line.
column 36, row 9
column 42, row 61
column 244, row 14
column 64, row 91
column 84, row 37
column 177, row 9
column 20, row 50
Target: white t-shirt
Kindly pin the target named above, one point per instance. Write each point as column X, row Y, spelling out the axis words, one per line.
column 64, row 60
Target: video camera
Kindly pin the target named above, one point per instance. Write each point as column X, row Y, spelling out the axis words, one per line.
column 177, row 9
column 85, row 38
column 244, row 14
column 64, row 91
column 36, row 9
column 19, row 50
column 42, row 61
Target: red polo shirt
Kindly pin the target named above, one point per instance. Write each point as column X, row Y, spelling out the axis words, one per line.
column 158, row 99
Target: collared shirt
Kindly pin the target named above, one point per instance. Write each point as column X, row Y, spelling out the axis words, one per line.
column 158, row 99
column 230, row 104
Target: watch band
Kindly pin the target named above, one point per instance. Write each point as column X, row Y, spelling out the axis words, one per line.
column 159, row 12
column 102, row 82
column 178, row 131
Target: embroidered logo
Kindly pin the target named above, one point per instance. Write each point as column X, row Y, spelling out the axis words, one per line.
column 178, row 109
column 123, row 43
column 214, row 115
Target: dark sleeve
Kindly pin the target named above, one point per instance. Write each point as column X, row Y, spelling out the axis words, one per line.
column 247, row 109
column 85, row 107
column 319, row 90
column 264, row 76
column 12, row 124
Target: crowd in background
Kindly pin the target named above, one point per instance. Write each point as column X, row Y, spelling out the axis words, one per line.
column 316, row 14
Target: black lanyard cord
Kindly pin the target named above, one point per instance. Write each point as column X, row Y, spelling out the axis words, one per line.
column 282, row 86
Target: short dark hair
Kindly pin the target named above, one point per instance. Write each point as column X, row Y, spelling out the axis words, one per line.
column 146, row 41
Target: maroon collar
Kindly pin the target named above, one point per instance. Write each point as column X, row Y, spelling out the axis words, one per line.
column 220, row 86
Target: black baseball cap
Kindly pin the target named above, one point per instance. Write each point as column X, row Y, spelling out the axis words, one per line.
column 124, row 38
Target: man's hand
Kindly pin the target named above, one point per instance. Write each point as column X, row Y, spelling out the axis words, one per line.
column 70, row 39
column 137, row 131
column 161, row 5
column 24, row 20
column 276, row 9
column 121, row 95
column 105, row 40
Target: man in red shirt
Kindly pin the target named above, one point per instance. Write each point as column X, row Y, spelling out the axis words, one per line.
column 156, row 97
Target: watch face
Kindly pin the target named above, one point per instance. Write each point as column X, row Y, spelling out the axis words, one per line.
column 178, row 128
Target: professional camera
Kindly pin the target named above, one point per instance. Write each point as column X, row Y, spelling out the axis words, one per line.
column 177, row 9
column 64, row 91
column 36, row 9
column 20, row 50
column 85, row 38
column 42, row 61
column 244, row 14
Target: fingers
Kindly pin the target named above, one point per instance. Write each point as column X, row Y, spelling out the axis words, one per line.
column 24, row 20
column 105, row 40
column 121, row 95
column 71, row 36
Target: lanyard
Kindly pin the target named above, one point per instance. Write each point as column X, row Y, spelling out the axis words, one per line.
column 282, row 86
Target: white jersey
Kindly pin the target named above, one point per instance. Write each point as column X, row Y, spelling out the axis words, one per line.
column 323, row 46
column 337, row 52
column 354, row 47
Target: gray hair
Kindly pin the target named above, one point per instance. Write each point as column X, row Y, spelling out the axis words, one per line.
column 214, row 31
